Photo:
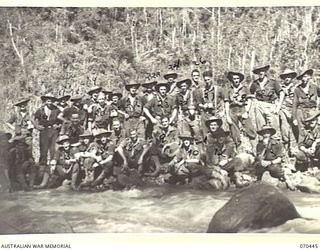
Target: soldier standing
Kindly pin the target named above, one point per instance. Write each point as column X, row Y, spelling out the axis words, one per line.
column 161, row 105
column 171, row 77
column 266, row 91
column 62, row 102
column 98, row 114
column 132, row 106
column 149, row 94
column 72, row 128
column 188, row 120
column 305, row 99
column 195, row 76
column 238, row 104
column 289, row 132
column 308, row 153
column 46, row 121
column 76, row 108
column 21, row 122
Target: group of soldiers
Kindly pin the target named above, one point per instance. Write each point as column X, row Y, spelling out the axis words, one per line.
column 184, row 130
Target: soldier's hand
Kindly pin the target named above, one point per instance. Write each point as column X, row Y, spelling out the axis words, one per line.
column 126, row 116
column 223, row 162
column 265, row 163
column 40, row 127
column 55, row 126
column 154, row 121
column 245, row 115
column 140, row 169
column 295, row 122
column 210, row 105
column 140, row 161
column 95, row 165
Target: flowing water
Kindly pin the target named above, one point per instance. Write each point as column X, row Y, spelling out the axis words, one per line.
column 156, row 209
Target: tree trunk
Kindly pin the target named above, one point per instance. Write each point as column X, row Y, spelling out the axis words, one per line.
column 253, row 56
column 229, row 56
column 173, row 36
column 218, row 34
column 244, row 60
column 19, row 53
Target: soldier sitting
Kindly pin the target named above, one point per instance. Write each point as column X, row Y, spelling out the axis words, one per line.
column 100, row 165
column 308, row 153
column 63, row 162
column 218, row 152
column 82, row 156
column 22, row 165
column 270, row 154
column 186, row 163
column 72, row 128
column 132, row 151
column 164, row 145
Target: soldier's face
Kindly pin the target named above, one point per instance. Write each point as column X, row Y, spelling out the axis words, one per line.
column 236, row 80
column 103, row 139
column 195, row 76
column 66, row 145
column 116, row 125
column 23, row 107
column 163, row 90
column 148, row 90
column 77, row 104
column 213, row 126
column 186, row 142
column 75, row 121
column 133, row 90
column 170, row 80
column 134, row 135
column 313, row 123
column 94, row 96
column 266, row 138
column 115, row 99
column 287, row 80
column 208, row 80
column 221, row 140
column 165, row 122
column 86, row 141
column 49, row 102
column 306, row 78
column 262, row 74
column 183, row 87
column 102, row 100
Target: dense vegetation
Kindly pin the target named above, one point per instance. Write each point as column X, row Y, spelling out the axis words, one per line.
column 70, row 49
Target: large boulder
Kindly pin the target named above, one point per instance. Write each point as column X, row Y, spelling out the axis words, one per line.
column 260, row 205
column 309, row 184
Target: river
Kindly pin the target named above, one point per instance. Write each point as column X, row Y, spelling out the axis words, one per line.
column 151, row 210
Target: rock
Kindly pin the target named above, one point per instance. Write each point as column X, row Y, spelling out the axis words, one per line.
column 318, row 176
column 258, row 206
column 65, row 186
column 309, row 184
column 266, row 177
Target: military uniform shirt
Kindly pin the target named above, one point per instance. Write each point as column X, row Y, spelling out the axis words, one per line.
column 133, row 110
column 159, row 106
column 270, row 92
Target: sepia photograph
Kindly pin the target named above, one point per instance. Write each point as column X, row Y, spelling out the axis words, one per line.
column 160, row 120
